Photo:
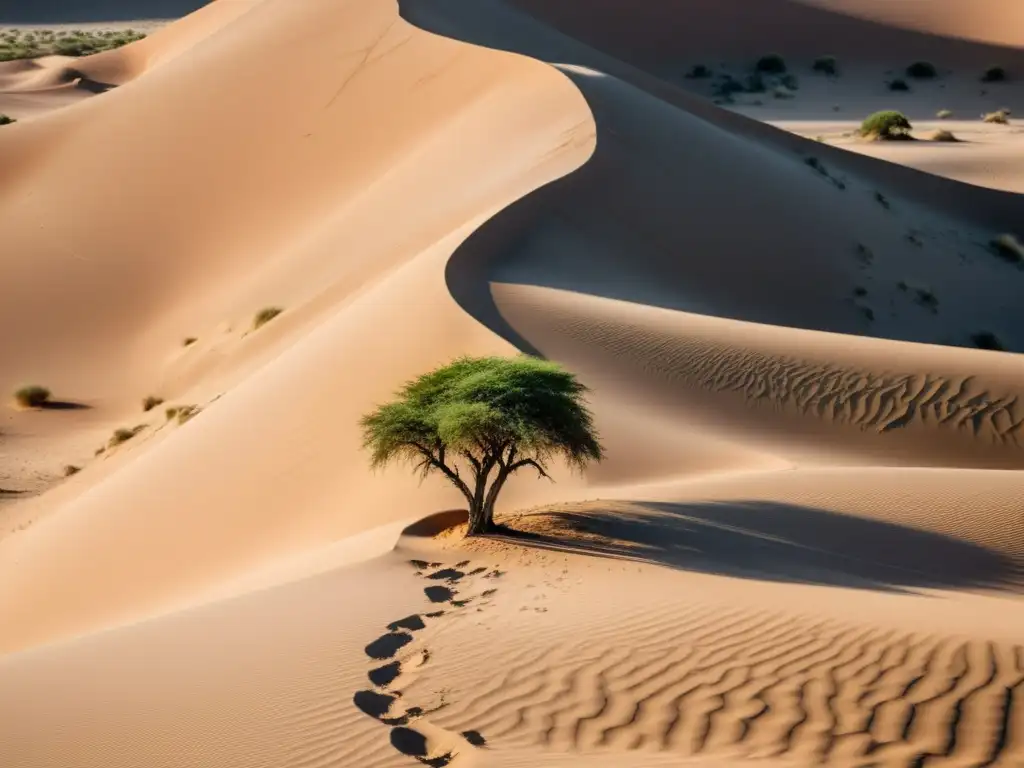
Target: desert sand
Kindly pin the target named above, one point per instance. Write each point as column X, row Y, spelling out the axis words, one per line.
column 806, row 545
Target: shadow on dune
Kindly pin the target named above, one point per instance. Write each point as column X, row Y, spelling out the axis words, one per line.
column 771, row 542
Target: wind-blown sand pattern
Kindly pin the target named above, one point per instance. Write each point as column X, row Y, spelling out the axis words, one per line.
column 806, row 545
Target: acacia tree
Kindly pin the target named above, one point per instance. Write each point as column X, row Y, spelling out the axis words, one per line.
column 479, row 420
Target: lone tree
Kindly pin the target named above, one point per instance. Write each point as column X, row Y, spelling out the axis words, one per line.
column 478, row 420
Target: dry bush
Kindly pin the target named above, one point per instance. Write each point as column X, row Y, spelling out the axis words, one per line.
column 32, row 396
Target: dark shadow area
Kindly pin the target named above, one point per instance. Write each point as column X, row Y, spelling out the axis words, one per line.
column 374, row 704
column 431, row 525
column 412, row 623
column 438, row 594
column 384, row 676
column 64, row 405
column 451, row 575
column 93, row 11
column 475, row 738
column 772, row 542
column 414, row 744
column 388, row 645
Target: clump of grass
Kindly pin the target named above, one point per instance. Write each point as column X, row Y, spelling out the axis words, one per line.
column 187, row 412
column 699, row 72
column 5, row 120
column 32, row 396
column 123, row 435
column 71, row 469
column 943, row 135
column 898, row 85
column 1000, row 116
column 922, row 70
column 826, row 65
column 772, row 64
column 151, row 402
column 888, row 125
column 993, row 75
column 171, row 412
column 1009, row 247
column 264, row 316
column 188, row 341
column 987, row 340
column 944, row 114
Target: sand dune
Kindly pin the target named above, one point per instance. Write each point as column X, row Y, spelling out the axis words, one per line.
column 806, row 544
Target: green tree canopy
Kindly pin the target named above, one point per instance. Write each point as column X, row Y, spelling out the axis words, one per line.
column 478, row 420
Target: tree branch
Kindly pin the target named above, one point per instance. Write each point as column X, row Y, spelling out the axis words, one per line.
column 438, row 462
column 530, row 463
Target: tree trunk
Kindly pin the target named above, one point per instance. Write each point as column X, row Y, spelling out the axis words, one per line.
column 492, row 497
column 477, row 520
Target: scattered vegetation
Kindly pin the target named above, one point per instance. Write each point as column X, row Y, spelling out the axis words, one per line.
column 479, row 420
column 699, row 72
column 5, row 120
column 151, row 402
column 71, row 469
column 181, row 412
column 987, row 340
column 1009, row 247
column 993, row 75
column 189, row 341
column 898, row 85
column 264, row 316
column 790, row 81
column 32, row 396
column 171, row 412
column 922, row 70
column 772, row 64
column 827, row 65
column 886, row 125
column 943, row 135
column 19, row 44
column 123, row 435
column 944, row 114
column 1000, row 116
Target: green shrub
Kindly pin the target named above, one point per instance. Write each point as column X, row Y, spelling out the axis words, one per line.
column 264, row 316
column 827, row 65
column 888, row 124
column 898, row 85
column 171, row 412
column 5, row 120
column 944, row 114
column 772, row 64
column 1000, row 116
column 32, row 45
column 922, row 70
column 187, row 412
column 32, row 396
column 151, row 402
column 993, row 75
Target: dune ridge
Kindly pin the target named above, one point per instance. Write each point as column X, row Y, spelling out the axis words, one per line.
column 804, row 546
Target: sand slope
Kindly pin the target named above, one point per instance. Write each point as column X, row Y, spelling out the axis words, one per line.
column 805, row 545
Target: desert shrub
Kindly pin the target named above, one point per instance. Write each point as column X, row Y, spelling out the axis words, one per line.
column 31, row 45
column 827, row 65
column 699, row 72
column 754, row 83
column 790, row 81
column 1000, row 116
column 942, row 135
column 944, row 114
column 987, row 340
column 922, row 70
column 32, row 396
column 898, row 85
column 171, row 412
column 993, row 75
column 1009, row 247
column 151, row 402
column 5, row 120
column 186, row 412
column 71, row 469
column 771, row 63
column 189, row 341
column 123, row 435
column 264, row 316
column 888, row 124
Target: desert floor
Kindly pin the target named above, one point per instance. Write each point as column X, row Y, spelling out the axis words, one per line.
column 806, row 545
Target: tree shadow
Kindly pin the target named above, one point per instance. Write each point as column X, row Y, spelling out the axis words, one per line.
column 64, row 405
column 772, row 542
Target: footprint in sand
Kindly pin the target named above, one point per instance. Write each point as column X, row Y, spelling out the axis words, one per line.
column 428, row 743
